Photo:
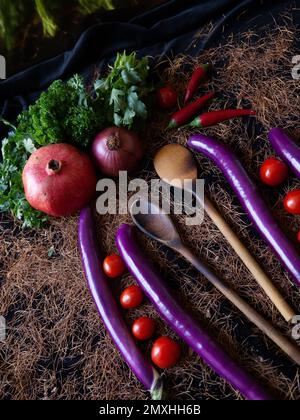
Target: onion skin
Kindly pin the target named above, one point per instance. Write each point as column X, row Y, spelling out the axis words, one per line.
column 180, row 321
column 116, row 149
column 59, row 179
column 250, row 199
column 107, row 307
column 286, row 148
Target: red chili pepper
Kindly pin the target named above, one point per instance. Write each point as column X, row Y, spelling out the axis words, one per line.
column 185, row 114
column 214, row 117
column 199, row 75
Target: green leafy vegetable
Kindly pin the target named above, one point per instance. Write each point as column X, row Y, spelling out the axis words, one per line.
column 125, row 89
column 69, row 112
column 63, row 113
column 15, row 152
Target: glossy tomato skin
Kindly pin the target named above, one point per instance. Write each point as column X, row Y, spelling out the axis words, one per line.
column 291, row 202
column 143, row 328
column 131, row 297
column 166, row 97
column 114, row 266
column 273, row 172
column 165, row 352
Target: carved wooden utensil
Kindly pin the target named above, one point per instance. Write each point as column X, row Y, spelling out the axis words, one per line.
column 174, row 164
column 150, row 219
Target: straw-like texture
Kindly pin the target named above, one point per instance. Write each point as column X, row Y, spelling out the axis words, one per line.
column 56, row 346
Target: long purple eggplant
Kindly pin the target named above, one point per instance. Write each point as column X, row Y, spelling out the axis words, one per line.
column 286, row 148
column 181, row 322
column 108, row 309
column 250, row 199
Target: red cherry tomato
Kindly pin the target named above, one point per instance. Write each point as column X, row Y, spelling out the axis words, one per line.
column 131, row 297
column 143, row 328
column 165, row 352
column 291, row 202
column 113, row 266
column 273, row 172
column 166, row 97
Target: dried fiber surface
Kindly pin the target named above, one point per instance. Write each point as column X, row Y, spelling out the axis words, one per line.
column 57, row 347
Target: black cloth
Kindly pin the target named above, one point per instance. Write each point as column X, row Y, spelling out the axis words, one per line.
column 167, row 29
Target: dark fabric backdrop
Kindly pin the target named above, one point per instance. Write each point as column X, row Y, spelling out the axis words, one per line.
column 167, row 29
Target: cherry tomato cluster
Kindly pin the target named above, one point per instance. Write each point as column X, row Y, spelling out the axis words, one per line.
column 165, row 352
column 274, row 172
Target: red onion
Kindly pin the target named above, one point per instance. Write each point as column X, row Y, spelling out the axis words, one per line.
column 59, row 179
column 117, row 149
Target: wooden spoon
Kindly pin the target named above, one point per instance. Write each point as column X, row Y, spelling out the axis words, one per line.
column 174, row 164
column 150, row 219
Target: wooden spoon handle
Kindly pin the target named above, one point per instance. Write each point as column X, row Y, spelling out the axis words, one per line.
column 290, row 349
column 262, row 279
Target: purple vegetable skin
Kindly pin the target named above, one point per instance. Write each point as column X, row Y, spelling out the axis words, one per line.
column 107, row 307
column 286, row 149
column 182, row 323
column 250, row 199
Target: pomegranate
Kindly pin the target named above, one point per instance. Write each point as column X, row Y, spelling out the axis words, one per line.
column 59, row 179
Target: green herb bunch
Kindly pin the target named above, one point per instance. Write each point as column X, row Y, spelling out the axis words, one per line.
column 69, row 112
column 63, row 113
column 125, row 89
